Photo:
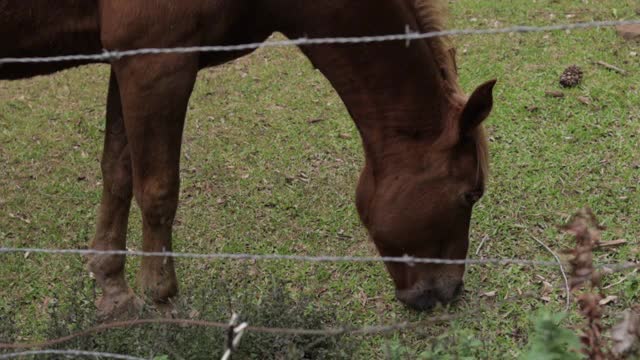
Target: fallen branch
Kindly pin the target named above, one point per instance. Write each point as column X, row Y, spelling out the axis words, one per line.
column 564, row 275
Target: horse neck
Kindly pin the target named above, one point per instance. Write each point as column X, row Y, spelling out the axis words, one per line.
column 396, row 94
column 41, row 28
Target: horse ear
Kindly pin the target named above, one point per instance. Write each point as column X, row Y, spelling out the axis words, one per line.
column 477, row 108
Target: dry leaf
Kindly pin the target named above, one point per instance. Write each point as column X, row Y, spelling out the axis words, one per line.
column 344, row 136
column 608, row 299
column 585, row 100
column 489, row 294
column 194, row 314
column 554, row 93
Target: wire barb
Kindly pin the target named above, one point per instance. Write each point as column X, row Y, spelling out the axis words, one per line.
column 407, row 30
column 109, row 55
column 234, row 334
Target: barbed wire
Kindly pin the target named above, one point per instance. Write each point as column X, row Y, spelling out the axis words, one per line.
column 242, row 256
column 410, row 260
column 108, row 55
column 95, row 354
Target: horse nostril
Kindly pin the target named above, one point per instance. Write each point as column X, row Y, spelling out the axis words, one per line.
column 426, row 299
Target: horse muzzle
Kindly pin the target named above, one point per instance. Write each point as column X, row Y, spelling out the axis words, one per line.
column 423, row 297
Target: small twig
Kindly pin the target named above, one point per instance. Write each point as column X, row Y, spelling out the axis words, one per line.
column 620, row 281
column 484, row 238
column 564, row 274
column 611, row 243
column 611, row 67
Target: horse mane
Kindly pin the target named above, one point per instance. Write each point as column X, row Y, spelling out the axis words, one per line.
column 432, row 16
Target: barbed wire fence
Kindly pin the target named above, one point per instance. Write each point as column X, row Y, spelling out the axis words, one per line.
column 235, row 330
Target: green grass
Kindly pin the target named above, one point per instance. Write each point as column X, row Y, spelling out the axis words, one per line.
column 257, row 177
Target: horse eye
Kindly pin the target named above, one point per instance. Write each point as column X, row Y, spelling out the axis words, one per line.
column 473, row 196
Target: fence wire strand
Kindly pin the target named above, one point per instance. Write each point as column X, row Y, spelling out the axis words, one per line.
column 409, row 260
column 108, row 55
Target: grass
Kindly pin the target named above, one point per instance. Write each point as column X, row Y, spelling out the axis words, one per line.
column 257, row 177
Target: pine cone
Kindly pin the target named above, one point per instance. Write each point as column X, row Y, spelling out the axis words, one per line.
column 571, row 76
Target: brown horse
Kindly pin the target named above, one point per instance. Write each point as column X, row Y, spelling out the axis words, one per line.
column 425, row 149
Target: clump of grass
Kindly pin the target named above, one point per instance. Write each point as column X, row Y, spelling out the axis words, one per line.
column 8, row 328
column 278, row 309
column 73, row 311
column 455, row 344
column 551, row 341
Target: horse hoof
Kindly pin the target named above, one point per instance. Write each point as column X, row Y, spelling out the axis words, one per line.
column 119, row 306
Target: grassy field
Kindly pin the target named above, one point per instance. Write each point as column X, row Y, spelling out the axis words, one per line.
column 259, row 177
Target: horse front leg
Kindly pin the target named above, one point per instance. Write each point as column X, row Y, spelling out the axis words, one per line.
column 155, row 91
column 113, row 215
